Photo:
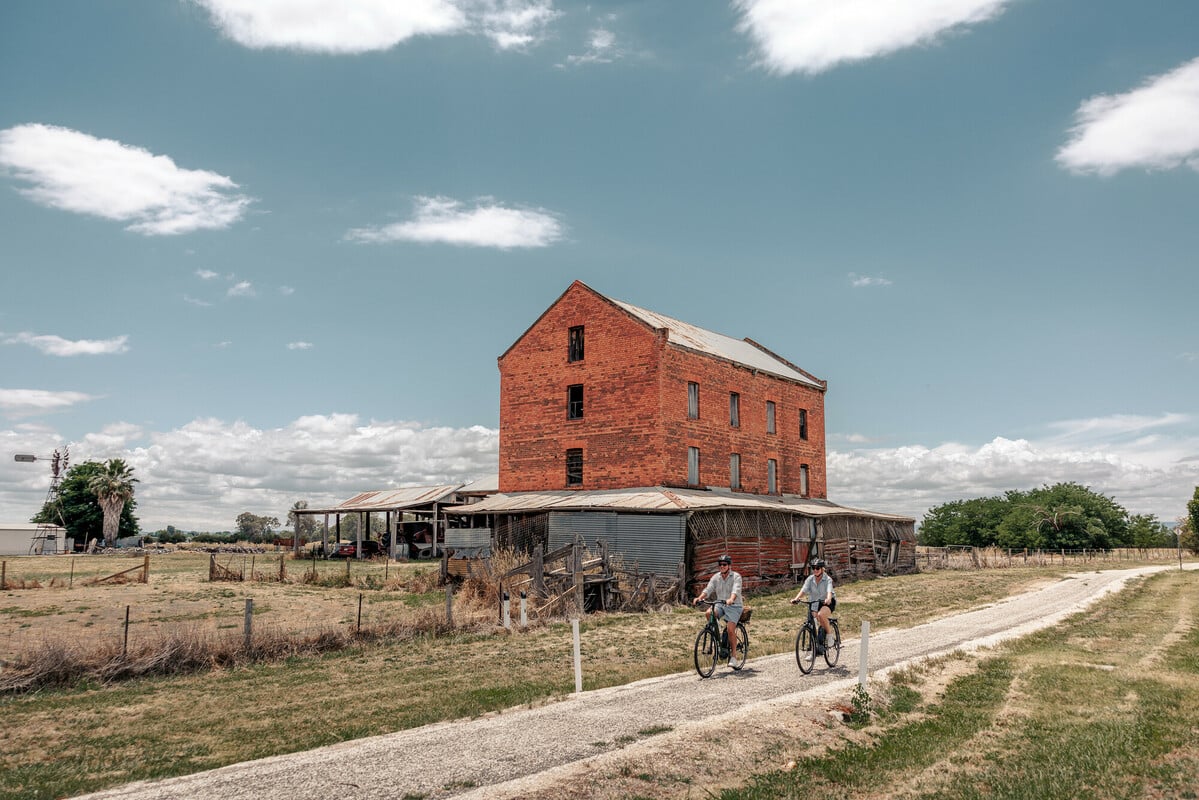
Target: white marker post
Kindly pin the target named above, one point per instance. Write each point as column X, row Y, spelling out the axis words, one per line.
column 574, row 629
column 863, row 653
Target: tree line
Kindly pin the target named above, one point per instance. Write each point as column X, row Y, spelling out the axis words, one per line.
column 1064, row 516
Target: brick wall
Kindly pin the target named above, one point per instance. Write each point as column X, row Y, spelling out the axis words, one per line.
column 635, row 429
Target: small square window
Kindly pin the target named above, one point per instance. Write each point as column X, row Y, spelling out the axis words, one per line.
column 576, row 343
column 693, row 465
column 735, row 471
column 734, row 409
column 803, row 423
column 574, row 466
column 574, row 401
column 693, row 400
column 770, row 416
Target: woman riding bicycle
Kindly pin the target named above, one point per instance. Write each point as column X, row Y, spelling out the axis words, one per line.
column 725, row 588
column 819, row 589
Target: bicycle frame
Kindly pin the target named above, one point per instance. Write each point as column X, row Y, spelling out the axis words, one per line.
column 711, row 644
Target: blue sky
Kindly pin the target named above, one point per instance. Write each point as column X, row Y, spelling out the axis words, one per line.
column 270, row 251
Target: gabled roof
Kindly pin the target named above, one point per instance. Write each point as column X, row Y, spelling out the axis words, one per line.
column 741, row 351
column 745, row 352
column 391, row 499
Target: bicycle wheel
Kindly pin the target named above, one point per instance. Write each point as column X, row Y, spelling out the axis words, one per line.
column 832, row 650
column 805, row 649
column 707, row 649
column 737, row 659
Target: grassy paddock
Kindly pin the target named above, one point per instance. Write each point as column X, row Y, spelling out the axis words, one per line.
column 1111, row 709
column 106, row 735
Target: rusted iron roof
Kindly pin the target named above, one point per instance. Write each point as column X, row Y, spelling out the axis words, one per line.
column 717, row 344
column 659, row 499
column 391, row 499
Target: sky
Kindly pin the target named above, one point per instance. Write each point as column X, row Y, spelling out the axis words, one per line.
column 269, row 251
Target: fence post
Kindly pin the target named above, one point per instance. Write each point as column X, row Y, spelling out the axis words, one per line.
column 211, row 567
column 146, row 569
column 449, row 604
column 282, row 569
column 249, row 623
column 125, row 649
column 577, row 566
column 359, row 630
column 524, row 616
column 507, row 612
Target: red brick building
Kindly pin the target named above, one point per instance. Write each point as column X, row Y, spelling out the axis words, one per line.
column 600, row 394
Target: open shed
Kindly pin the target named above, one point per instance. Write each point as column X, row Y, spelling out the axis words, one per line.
column 414, row 519
column 668, row 531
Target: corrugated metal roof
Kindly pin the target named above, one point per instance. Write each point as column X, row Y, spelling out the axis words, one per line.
column 659, row 499
column 390, row 499
column 718, row 344
column 488, row 484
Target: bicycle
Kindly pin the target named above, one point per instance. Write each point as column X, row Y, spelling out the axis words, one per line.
column 808, row 646
column 712, row 644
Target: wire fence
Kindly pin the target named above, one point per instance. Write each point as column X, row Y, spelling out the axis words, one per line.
column 966, row 557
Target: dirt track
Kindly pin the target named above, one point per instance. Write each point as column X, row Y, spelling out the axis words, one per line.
column 525, row 751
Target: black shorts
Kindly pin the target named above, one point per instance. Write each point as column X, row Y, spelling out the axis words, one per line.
column 832, row 606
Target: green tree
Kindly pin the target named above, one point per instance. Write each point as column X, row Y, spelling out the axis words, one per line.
column 1064, row 516
column 81, row 512
column 303, row 524
column 1193, row 520
column 1145, row 530
column 255, row 528
column 963, row 522
column 113, row 488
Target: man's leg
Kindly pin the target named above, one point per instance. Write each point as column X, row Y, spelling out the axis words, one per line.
column 732, row 629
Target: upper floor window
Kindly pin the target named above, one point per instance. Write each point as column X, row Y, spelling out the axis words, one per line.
column 574, row 401
column 770, row 416
column 803, row 423
column 734, row 409
column 574, row 466
column 734, row 470
column 693, row 465
column 692, row 400
column 576, row 343
column 772, row 476
column 803, row 480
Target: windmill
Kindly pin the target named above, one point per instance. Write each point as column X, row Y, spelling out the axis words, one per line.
column 46, row 537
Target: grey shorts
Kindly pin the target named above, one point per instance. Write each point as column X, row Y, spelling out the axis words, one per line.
column 728, row 613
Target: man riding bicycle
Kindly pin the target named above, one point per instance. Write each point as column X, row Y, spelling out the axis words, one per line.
column 725, row 588
column 819, row 589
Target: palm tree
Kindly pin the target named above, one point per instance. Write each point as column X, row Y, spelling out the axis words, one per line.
column 113, row 487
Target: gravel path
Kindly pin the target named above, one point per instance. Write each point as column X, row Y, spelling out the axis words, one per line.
column 514, row 752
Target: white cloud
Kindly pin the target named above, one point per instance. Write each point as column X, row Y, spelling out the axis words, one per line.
column 1153, row 474
column 601, row 49
column 299, row 345
column 58, row 346
column 513, row 24
column 447, row 221
column 241, row 289
column 811, row 36
column 206, row 275
column 860, row 281
column 103, row 177
column 23, row 402
column 361, row 26
column 202, row 475
column 196, row 302
column 1153, row 127
column 286, row 291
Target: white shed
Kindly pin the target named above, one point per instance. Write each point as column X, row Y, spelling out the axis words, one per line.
column 27, row 538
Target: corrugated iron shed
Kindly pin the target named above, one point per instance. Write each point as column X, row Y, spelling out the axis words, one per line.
column 391, row 499
column 659, row 499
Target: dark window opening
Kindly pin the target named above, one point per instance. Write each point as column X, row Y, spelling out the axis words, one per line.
column 574, row 466
column 803, row 423
column 574, row 401
column 576, row 343
column 734, row 409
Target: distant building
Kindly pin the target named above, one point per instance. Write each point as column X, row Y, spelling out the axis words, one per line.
column 674, row 444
